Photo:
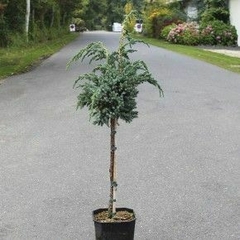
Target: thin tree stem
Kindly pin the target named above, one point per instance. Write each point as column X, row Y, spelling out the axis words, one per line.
column 112, row 170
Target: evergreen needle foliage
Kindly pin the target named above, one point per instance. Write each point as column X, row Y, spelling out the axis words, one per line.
column 110, row 90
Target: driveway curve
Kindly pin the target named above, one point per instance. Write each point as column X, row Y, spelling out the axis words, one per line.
column 178, row 162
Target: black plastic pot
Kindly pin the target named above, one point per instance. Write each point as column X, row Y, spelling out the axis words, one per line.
column 114, row 230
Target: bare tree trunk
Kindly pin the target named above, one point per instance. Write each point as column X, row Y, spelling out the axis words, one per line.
column 112, row 170
column 27, row 16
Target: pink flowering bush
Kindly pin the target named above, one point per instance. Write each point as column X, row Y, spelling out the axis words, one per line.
column 166, row 30
column 207, row 35
column 184, row 33
column 213, row 33
column 218, row 33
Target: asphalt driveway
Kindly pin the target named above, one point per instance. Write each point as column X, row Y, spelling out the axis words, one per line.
column 179, row 162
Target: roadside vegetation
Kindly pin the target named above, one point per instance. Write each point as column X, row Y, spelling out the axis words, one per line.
column 208, row 24
column 218, row 59
column 19, row 59
column 33, row 30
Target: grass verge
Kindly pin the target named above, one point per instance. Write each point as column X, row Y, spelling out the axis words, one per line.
column 17, row 60
column 218, row 59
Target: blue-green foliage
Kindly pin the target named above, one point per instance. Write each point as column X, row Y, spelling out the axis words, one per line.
column 110, row 90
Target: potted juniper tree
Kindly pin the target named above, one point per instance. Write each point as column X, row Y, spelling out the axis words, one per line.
column 109, row 92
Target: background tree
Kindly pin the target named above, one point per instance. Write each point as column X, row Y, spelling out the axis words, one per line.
column 216, row 10
column 15, row 16
column 47, row 19
column 115, row 10
column 79, row 14
column 158, row 14
column 3, row 25
column 129, row 26
column 95, row 14
column 137, row 4
column 216, row 3
column 67, row 8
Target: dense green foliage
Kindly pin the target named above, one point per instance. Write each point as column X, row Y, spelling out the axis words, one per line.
column 216, row 3
column 185, row 33
column 218, row 33
column 211, row 33
column 95, row 14
column 212, row 14
column 212, row 28
column 48, row 19
column 157, row 15
column 110, row 90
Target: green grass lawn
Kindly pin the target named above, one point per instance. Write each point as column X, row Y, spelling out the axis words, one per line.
column 17, row 60
column 221, row 60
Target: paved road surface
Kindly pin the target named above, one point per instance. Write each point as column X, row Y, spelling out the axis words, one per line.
column 179, row 162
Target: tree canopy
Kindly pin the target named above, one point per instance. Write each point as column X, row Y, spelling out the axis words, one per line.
column 49, row 18
column 46, row 16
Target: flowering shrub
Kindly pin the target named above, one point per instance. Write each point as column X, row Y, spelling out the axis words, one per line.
column 185, row 33
column 218, row 33
column 156, row 17
column 166, row 30
column 213, row 33
column 207, row 36
column 153, row 20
